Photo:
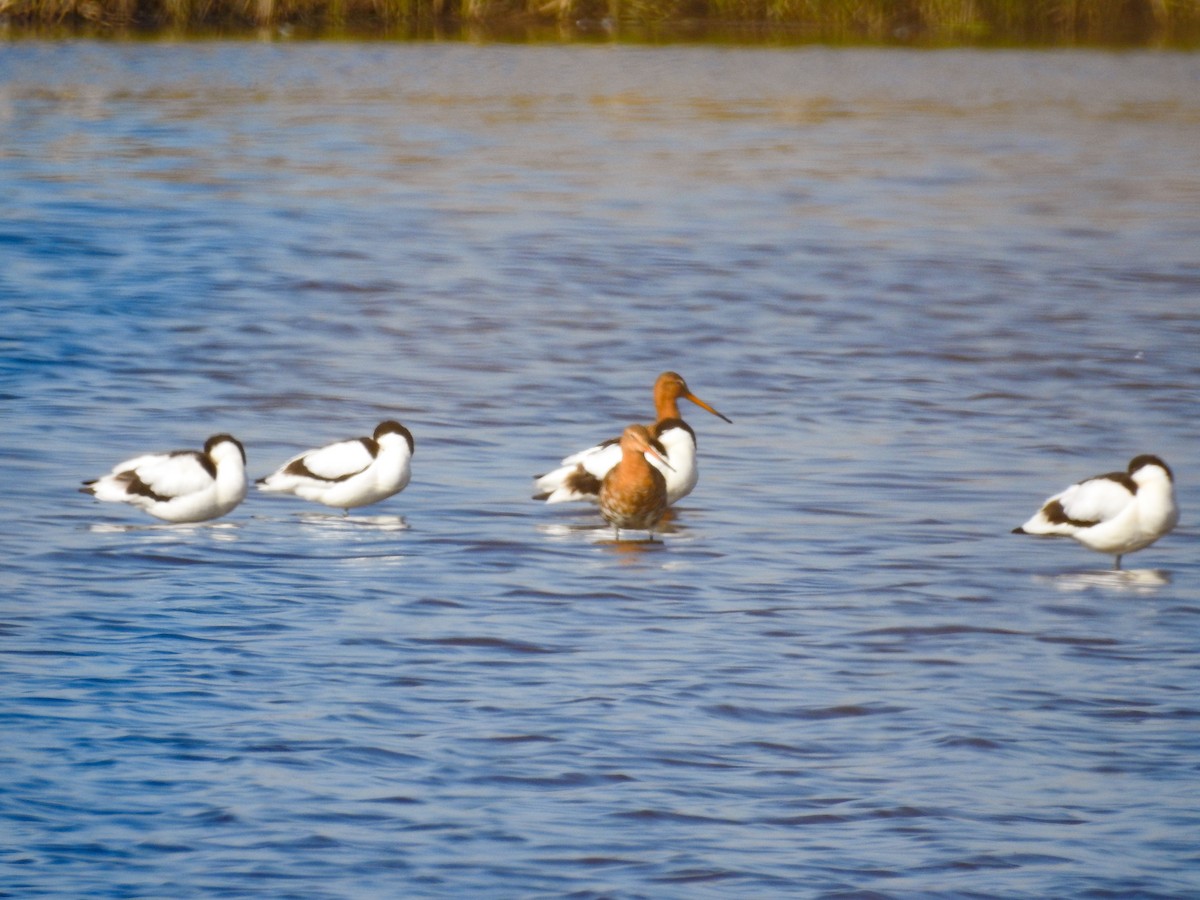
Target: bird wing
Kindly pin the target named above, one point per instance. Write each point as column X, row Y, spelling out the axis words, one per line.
column 1097, row 499
column 167, row 475
column 580, row 474
column 334, row 462
column 597, row 460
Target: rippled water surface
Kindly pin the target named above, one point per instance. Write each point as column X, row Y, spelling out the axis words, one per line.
column 929, row 288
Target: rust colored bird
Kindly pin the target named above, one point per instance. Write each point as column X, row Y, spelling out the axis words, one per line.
column 579, row 475
column 633, row 494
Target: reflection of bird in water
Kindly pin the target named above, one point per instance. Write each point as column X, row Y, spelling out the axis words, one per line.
column 179, row 486
column 634, row 493
column 580, row 475
column 1117, row 513
column 351, row 473
column 1137, row 581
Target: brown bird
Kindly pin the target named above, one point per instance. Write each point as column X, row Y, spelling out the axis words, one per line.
column 579, row 476
column 634, row 493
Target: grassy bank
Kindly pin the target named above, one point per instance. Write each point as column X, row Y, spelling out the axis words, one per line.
column 1122, row 22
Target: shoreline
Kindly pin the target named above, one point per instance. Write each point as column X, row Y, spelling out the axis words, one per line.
column 1152, row 24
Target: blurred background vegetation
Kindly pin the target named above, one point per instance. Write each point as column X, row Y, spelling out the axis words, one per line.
column 921, row 22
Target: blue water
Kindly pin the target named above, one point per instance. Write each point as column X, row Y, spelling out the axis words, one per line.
column 930, row 289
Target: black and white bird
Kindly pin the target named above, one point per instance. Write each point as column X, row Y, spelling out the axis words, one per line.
column 179, row 486
column 1116, row 513
column 350, row 473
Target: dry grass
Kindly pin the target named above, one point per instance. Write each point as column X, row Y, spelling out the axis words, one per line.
column 1136, row 21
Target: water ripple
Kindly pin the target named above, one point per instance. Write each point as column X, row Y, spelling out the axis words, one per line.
column 929, row 289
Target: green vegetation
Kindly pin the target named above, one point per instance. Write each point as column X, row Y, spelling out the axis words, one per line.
column 922, row 22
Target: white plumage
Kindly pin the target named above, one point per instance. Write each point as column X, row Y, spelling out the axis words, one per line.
column 179, row 486
column 1116, row 513
column 350, row 473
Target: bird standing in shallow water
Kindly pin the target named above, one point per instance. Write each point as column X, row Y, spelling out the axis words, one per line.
column 1116, row 513
column 634, row 493
column 179, row 486
column 348, row 474
column 580, row 475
